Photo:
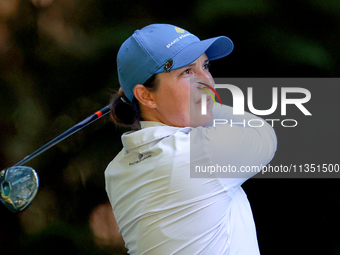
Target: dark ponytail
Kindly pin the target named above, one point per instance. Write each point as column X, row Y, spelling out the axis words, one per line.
column 128, row 114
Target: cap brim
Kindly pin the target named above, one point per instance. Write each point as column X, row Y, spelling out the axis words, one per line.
column 214, row 48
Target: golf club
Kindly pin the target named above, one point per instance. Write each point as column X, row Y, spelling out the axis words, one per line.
column 19, row 184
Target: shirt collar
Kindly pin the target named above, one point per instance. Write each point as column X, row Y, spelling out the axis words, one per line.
column 145, row 124
column 150, row 131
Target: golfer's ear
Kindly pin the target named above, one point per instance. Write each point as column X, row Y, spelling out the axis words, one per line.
column 143, row 95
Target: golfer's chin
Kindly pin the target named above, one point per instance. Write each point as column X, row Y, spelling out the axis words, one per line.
column 199, row 120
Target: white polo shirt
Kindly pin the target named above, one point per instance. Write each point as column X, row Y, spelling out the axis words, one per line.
column 161, row 210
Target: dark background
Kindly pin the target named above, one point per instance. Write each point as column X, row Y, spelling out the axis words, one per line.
column 57, row 66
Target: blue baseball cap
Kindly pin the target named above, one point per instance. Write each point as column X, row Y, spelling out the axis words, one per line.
column 161, row 48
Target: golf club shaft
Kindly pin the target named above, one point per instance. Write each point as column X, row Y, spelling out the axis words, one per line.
column 66, row 134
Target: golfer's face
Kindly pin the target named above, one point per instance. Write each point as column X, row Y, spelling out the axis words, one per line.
column 179, row 100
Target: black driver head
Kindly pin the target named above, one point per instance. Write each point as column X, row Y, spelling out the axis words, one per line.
column 18, row 187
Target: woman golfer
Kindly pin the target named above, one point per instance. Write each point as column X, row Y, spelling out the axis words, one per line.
column 159, row 207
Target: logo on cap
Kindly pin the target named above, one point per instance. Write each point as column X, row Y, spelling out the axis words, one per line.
column 179, row 30
column 168, row 64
